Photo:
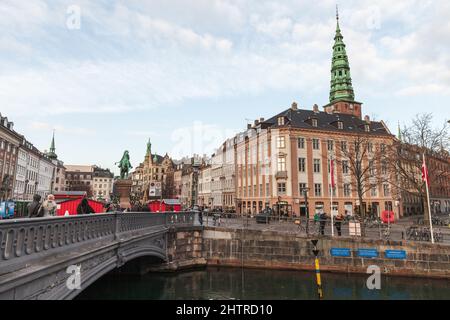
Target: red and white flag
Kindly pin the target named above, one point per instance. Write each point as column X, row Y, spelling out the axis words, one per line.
column 333, row 183
column 425, row 176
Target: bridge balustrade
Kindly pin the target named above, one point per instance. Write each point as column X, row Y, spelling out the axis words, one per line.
column 24, row 241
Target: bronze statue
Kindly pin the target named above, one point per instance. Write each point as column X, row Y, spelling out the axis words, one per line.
column 124, row 165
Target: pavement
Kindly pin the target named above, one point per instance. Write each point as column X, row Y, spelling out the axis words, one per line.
column 397, row 230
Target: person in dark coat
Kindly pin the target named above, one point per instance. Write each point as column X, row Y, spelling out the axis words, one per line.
column 84, row 207
column 323, row 222
column 200, row 216
column 34, row 208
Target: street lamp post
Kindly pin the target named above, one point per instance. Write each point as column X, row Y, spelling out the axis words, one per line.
column 305, row 193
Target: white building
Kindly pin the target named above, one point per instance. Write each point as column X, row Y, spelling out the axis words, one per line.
column 45, row 176
column 204, row 186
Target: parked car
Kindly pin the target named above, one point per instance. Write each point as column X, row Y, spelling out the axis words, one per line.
column 264, row 216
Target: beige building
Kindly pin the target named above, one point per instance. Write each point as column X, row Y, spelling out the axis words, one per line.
column 204, row 186
column 278, row 158
column 223, row 177
column 154, row 169
column 102, row 184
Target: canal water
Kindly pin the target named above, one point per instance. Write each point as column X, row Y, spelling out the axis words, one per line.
column 251, row 284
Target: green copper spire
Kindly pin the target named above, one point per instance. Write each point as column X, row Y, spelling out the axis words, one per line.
column 52, row 153
column 341, row 81
column 155, row 158
column 149, row 148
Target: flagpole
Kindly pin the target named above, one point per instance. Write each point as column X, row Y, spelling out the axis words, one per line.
column 427, row 179
column 332, row 189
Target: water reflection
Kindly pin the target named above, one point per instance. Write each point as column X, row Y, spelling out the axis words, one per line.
column 235, row 283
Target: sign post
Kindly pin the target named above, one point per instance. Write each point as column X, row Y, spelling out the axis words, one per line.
column 317, row 268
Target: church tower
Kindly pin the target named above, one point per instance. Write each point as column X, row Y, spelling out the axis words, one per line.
column 342, row 96
column 52, row 153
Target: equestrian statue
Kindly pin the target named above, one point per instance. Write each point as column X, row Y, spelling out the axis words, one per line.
column 124, row 165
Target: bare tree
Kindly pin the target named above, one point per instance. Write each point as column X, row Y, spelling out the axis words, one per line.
column 417, row 139
column 365, row 159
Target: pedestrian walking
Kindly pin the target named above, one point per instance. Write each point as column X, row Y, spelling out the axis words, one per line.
column 34, row 208
column 49, row 206
column 339, row 218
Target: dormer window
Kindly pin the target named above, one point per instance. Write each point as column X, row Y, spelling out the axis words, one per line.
column 340, row 125
column 314, row 122
column 281, row 121
column 367, row 128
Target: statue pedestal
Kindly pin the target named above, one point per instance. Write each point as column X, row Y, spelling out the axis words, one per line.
column 123, row 188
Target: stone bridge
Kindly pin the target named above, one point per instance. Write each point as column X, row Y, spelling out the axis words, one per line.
column 35, row 253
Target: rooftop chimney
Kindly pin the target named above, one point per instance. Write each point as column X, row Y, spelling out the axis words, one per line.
column 261, row 119
column 294, row 106
column 316, row 108
column 256, row 122
column 367, row 119
column 249, row 126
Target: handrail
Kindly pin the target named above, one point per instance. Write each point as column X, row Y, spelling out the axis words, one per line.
column 22, row 240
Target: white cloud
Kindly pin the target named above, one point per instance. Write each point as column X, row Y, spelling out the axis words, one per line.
column 45, row 126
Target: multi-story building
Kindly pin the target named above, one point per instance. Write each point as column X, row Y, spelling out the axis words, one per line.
column 45, row 176
column 102, row 184
column 278, row 159
column 79, row 178
column 34, row 174
column 154, row 169
column 27, row 176
column 9, row 145
column 204, row 186
column 223, row 177
column 190, row 170
column 413, row 195
column 177, row 180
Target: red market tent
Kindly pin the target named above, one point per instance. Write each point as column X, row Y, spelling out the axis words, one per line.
column 165, row 205
column 69, row 201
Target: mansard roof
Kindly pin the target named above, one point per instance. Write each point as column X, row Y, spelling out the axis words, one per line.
column 326, row 122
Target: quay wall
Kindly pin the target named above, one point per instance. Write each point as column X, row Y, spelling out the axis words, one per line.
column 275, row 250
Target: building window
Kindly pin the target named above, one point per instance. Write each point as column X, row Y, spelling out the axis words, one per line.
column 302, row 164
column 383, row 147
column 318, row 190
column 281, row 188
column 386, row 190
column 281, row 142
column 373, row 191
column 301, row 188
column 340, row 125
column 345, row 167
column 267, row 189
column 367, row 127
column 384, row 166
column 281, row 165
column 372, row 168
column 316, row 144
column 370, row 147
column 347, row 190
column 316, row 165
column 281, row 121
column 330, row 145
column 301, row 143
column 344, row 146
column 314, row 122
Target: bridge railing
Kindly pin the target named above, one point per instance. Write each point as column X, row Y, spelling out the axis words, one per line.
column 23, row 241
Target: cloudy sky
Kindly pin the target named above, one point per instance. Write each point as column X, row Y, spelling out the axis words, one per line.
column 108, row 75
